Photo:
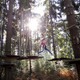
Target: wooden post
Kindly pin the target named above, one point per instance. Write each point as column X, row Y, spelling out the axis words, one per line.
column 74, row 34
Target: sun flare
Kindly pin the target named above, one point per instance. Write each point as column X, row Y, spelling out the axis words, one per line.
column 33, row 24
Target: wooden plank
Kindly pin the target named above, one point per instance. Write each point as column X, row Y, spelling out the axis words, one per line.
column 74, row 61
column 9, row 57
column 15, row 57
column 30, row 57
column 59, row 59
column 69, row 60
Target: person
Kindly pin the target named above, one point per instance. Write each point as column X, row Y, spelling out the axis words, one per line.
column 43, row 44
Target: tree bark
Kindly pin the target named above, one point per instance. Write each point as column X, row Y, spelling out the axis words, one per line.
column 54, row 47
column 9, row 29
column 52, row 31
column 74, row 34
column 8, row 69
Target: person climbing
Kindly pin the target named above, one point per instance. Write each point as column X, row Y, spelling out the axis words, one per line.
column 43, row 44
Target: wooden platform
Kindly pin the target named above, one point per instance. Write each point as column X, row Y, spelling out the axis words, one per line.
column 9, row 57
column 68, row 60
column 74, row 61
column 59, row 59
column 15, row 57
column 30, row 57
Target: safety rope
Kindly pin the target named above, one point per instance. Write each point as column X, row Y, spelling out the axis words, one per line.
column 69, row 27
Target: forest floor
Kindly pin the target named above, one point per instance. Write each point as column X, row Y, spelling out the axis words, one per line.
column 57, row 75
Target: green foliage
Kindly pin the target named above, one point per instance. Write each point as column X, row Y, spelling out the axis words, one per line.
column 37, row 67
column 78, row 21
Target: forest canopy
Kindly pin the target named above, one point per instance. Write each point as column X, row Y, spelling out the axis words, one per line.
column 39, row 37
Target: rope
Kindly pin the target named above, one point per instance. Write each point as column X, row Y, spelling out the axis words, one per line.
column 69, row 27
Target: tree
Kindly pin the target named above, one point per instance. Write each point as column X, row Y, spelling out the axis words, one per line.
column 9, row 29
column 74, row 34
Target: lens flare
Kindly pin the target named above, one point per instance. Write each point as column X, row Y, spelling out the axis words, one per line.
column 33, row 24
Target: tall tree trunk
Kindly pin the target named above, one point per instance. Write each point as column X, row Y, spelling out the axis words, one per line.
column 73, row 31
column 3, row 26
column 9, row 29
column 54, row 49
column 8, row 69
column 20, row 27
column 52, row 31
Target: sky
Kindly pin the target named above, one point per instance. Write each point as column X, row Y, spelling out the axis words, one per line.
column 39, row 8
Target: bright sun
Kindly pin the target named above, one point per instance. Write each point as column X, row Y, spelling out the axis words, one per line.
column 33, row 24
